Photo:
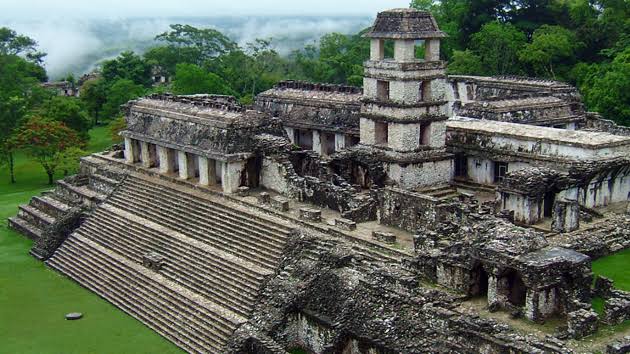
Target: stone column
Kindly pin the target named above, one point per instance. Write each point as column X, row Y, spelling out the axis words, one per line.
column 145, row 155
column 291, row 134
column 231, row 176
column 183, row 165
column 207, row 171
column 317, row 142
column 166, row 159
column 130, row 150
column 340, row 142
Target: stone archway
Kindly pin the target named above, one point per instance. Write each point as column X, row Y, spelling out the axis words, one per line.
column 479, row 282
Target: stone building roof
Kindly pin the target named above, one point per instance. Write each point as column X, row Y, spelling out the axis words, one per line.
column 514, row 80
column 325, row 93
column 211, row 110
column 589, row 140
column 405, row 24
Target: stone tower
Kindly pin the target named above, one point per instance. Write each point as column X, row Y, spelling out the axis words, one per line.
column 404, row 110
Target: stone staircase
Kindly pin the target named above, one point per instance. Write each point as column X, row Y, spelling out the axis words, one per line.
column 440, row 192
column 42, row 211
column 215, row 257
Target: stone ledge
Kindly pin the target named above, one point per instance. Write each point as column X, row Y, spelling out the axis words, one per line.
column 386, row 237
column 309, row 214
column 345, row 224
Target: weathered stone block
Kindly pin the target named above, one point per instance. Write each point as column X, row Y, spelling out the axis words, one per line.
column 603, row 287
column 280, row 203
column 581, row 323
column 386, row 237
column 619, row 347
column 243, row 191
column 309, row 214
column 345, row 224
column 616, row 310
column 264, row 198
column 153, row 261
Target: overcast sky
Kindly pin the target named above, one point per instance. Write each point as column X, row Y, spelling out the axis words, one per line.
column 125, row 8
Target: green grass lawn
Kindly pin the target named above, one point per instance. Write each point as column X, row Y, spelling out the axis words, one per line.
column 34, row 299
column 615, row 267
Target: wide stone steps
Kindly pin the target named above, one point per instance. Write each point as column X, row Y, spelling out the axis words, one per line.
column 265, row 237
column 182, row 317
column 180, row 268
column 217, row 231
column 210, row 204
column 235, row 268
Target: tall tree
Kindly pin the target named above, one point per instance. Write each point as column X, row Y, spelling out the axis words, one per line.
column 551, row 47
column 200, row 43
column 94, row 96
column 68, row 111
column 497, row 45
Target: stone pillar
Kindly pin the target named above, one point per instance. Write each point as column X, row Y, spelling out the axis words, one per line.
column 145, row 155
column 231, row 176
column 540, row 304
column 130, row 150
column 404, row 50
column 377, row 49
column 183, row 165
column 207, row 171
column 317, row 142
column 432, row 50
column 566, row 216
column 291, row 134
column 340, row 142
column 493, row 292
column 165, row 155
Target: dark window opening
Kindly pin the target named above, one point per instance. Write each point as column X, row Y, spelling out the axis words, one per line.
column 550, row 198
column 425, row 91
column 500, row 170
column 461, row 166
column 304, row 139
column 425, row 134
column 479, row 285
column 382, row 90
column 517, row 291
column 382, row 133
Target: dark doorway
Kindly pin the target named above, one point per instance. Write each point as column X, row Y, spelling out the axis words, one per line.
column 517, row 291
column 479, row 282
column 550, row 198
column 500, row 170
column 461, row 166
column 251, row 178
column 361, row 176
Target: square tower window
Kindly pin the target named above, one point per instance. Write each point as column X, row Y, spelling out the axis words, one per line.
column 381, row 131
column 382, row 90
column 419, row 50
column 425, row 134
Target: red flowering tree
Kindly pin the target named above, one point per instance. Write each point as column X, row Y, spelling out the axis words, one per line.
column 46, row 142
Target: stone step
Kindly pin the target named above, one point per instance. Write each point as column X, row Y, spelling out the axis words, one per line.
column 85, row 250
column 24, row 227
column 234, row 266
column 267, row 236
column 206, row 283
column 216, row 235
column 124, row 299
column 35, row 216
column 50, row 206
column 88, row 259
column 219, row 205
column 237, row 216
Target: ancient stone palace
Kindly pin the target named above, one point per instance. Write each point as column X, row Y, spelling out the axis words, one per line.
column 422, row 213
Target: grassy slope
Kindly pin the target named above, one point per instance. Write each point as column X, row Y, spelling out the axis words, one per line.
column 34, row 299
column 615, row 267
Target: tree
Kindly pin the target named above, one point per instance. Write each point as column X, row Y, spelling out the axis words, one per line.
column 192, row 42
column 606, row 87
column 46, row 141
column 68, row 111
column 191, row 79
column 497, row 45
column 19, row 87
column 465, row 62
column 94, row 96
column 128, row 66
column 69, row 160
column 119, row 93
column 12, row 43
column 550, row 47
column 115, row 127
